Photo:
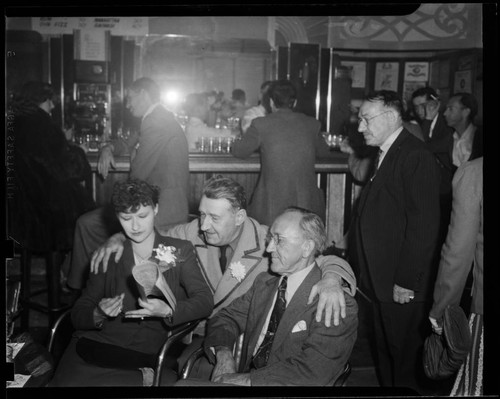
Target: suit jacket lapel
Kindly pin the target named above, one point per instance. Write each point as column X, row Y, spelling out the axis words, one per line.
column 209, row 261
column 248, row 252
column 386, row 167
column 296, row 307
column 263, row 301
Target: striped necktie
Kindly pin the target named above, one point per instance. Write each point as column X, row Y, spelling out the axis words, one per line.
column 376, row 164
column 261, row 357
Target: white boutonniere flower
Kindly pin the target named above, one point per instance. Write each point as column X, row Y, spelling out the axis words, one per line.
column 166, row 255
column 237, row 271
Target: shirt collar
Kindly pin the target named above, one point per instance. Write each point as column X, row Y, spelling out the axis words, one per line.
column 295, row 280
column 391, row 139
column 467, row 135
column 234, row 243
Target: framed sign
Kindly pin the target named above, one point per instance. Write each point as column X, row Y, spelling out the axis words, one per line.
column 358, row 72
column 416, row 72
column 386, row 76
column 463, row 82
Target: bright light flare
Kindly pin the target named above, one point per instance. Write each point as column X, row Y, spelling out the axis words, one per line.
column 171, row 97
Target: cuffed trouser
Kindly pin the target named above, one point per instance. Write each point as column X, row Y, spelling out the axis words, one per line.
column 400, row 331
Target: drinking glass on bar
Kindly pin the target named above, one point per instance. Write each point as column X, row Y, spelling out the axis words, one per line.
column 202, row 144
column 229, row 144
column 219, row 144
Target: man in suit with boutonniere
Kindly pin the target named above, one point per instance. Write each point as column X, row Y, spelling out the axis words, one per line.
column 224, row 223
column 284, row 343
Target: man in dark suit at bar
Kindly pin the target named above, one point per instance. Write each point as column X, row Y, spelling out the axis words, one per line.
column 395, row 233
column 161, row 159
column 289, row 143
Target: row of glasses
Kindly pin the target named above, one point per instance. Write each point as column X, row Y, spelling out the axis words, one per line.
column 217, row 145
column 88, row 141
column 333, row 140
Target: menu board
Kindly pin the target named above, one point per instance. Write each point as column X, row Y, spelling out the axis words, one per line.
column 118, row 26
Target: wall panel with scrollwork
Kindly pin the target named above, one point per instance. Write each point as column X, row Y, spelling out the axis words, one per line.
column 431, row 27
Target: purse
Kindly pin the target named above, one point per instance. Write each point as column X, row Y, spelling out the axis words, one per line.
column 444, row 354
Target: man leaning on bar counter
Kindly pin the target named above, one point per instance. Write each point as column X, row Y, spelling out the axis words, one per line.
column 289, row 143
column 161, row 159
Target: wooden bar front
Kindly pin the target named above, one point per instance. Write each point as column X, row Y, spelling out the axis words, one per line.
column 332, row 172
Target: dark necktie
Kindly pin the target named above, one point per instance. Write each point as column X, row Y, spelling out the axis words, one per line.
column 222, row 258
column 262, row 355
column 377, row 161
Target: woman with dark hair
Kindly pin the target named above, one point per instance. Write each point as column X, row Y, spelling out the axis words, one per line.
column 48, row 195
column 119, row 334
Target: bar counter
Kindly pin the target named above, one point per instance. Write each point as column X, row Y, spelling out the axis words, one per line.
column 332, row 172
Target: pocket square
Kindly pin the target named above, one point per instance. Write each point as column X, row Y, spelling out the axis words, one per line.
column 300, row 326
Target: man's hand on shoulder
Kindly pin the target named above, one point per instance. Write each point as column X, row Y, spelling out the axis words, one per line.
column 331, row 299
column 102, row 254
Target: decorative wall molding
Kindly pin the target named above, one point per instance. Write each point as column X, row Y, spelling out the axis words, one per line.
column 292, row 29
column 431, row 27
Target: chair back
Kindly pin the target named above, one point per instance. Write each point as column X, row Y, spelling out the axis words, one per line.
column 342, row 378
column 174, row 336
column 200, row 352
column 60, row 336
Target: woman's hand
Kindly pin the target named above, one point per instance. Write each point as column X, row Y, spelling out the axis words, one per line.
column 111, row 307
column 151, row 308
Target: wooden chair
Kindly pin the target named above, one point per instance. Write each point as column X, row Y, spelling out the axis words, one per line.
column 62, row 330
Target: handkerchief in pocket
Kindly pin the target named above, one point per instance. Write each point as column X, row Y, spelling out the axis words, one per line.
column 300, row 326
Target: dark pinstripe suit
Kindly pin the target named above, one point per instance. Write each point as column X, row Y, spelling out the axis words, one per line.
column 396, row 231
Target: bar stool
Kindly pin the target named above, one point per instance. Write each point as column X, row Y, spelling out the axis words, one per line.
column 54, row 307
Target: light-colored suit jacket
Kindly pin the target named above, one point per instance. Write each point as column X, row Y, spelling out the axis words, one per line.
column 304, row 352
column 464, row 243
column 248, row 252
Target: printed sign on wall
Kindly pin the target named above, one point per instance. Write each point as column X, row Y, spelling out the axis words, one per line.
column 358, row 72
column 118, row 26
column 462, row 82
column 386, row 76
column 416, row 71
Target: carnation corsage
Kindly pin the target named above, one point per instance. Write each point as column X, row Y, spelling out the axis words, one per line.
column 237, row 271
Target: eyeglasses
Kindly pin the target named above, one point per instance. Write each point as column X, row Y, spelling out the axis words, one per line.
column 277, row 239
column 367, row 120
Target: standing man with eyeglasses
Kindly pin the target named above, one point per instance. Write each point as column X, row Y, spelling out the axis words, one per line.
column 394, row 239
